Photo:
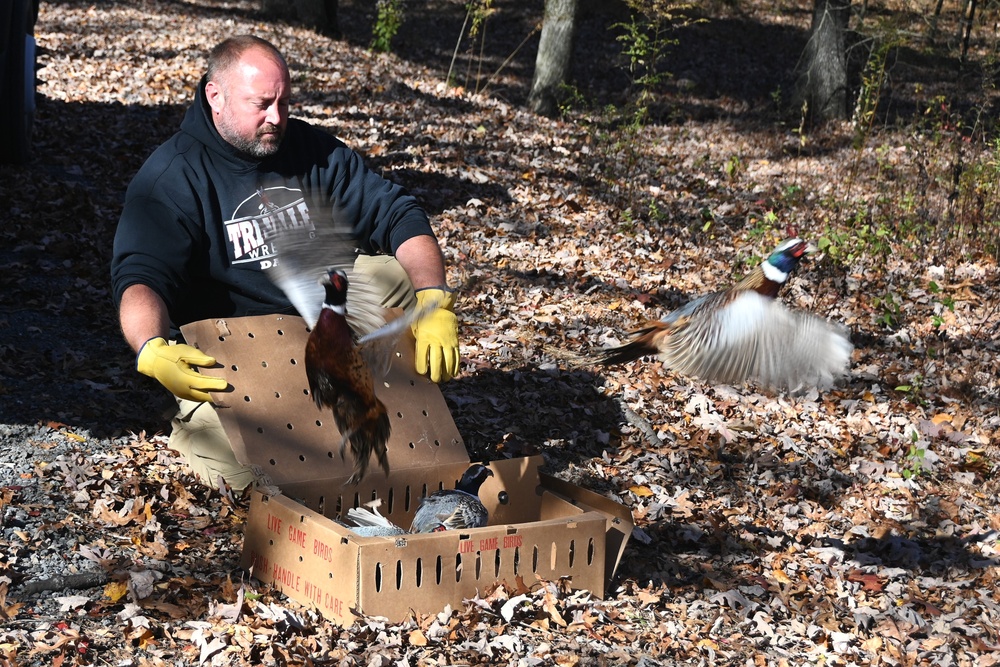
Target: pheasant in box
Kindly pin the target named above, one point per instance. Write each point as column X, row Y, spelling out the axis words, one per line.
column 449, row 509
column 454, row 509
column 743, row 333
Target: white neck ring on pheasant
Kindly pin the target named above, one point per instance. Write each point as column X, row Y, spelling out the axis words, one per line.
column 340, row 309
column 773, row 273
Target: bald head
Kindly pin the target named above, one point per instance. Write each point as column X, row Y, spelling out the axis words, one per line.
column 226, row 55
column 248, row 89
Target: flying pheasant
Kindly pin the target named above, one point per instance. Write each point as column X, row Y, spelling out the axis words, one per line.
column 743, row 333
column 341, row 380
column 350, row 342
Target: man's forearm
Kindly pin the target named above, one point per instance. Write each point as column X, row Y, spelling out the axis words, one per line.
column 421, row 258
column 142, row 315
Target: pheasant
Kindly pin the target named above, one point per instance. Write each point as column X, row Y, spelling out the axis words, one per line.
column 454, row 509
column 370, row 522
column 340, row 379
column 743, row 333
column 304, row 254
column 449, row 509
column 350, row 342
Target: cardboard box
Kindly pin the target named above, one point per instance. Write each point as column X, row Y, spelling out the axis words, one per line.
column 540, row 526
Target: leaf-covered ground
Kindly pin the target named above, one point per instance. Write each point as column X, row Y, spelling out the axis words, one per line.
column 856, row 527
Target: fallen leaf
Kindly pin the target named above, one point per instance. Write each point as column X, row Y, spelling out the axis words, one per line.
column 116, row 590
column 508, row 608
column 71, row 602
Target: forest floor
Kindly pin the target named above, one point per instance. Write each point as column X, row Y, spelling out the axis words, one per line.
column 858, row 526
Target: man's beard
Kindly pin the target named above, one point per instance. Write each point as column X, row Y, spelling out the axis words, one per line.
column 264, row 143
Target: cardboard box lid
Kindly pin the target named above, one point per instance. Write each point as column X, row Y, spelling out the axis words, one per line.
column 273, row 423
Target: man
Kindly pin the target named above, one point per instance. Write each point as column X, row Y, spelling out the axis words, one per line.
column 192, row 242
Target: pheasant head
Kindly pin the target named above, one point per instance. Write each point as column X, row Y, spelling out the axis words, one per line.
column 773, row 272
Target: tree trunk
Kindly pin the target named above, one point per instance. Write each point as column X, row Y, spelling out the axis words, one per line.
column 273, row 7
column 822, row 80
column 321, row 15
column 968, row 19
column 555, row 49
column 934, row 21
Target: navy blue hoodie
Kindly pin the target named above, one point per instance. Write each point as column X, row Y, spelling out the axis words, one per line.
column 196, row 230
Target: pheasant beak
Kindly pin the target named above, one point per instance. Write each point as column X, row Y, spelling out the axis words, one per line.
column 334, row 277
column 803, row 248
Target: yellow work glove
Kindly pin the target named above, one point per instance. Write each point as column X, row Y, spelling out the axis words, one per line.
column 171, row 366
column 437, row 335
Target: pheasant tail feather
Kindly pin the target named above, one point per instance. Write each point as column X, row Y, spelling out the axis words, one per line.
column 370, row 438
column 646, row 341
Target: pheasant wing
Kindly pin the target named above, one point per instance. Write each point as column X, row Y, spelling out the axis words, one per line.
column 303, row 256
column 802, row 351
column 379, row 346
column 753, row 337
column 449, row 510
column 371, row 522
column 470, row 513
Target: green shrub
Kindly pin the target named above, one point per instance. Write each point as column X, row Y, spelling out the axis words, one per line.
column 387, row 24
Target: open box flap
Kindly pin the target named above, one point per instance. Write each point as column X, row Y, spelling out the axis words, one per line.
column 273, row 423
column 620, row 520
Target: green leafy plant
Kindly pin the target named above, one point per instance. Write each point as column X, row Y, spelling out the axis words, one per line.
column 656, row 213
column 889, row 311
column 707, row 217
column 977, row 204
column 761, row 226
column 916, row 459
column 865, row 239
column 914, row 390
column 388, row 20
column 777, row 98
column 571, row 99
column 873, row 79
column 946, row 301
column 645, row 39
column 474, row 26
column 792, row 193
column 733, row 167
column 618, row 132
column 915, row 462
column 644, row 43
column 626, row 223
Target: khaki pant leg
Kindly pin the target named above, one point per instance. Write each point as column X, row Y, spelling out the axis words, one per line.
column 199, row 437
column 389, row 279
